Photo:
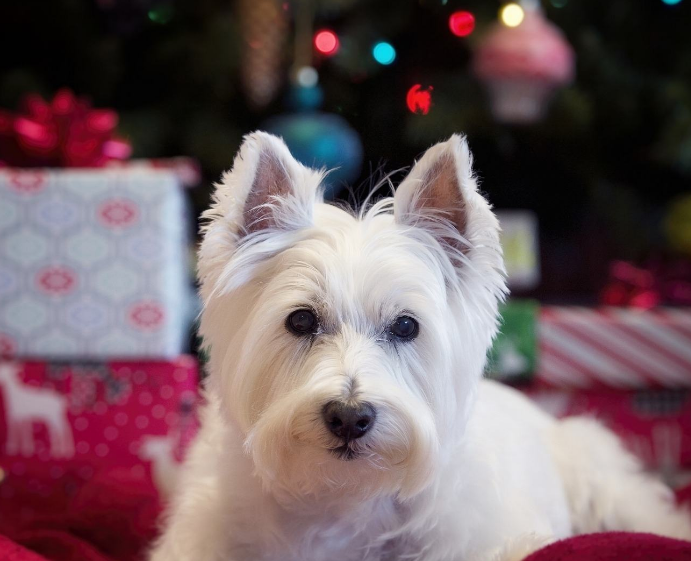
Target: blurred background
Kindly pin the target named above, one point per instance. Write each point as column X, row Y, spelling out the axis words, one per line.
column 604, row 164
column 117, row 116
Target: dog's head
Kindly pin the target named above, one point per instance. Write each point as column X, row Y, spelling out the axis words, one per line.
column 347, row 348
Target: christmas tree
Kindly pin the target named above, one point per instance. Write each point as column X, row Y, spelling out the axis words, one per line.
column 599, row 168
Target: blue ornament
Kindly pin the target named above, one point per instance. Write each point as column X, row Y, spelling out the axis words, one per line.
column 317, row 140
column 305, row 98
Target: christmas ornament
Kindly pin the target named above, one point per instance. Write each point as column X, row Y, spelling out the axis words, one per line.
column 419, row 100
column 65, row 132
column 523, row 65
column 315, row 138
column 659, row 281
column 264, row 25
column 319, row 139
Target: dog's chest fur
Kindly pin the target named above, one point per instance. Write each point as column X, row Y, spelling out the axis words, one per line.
column 351, row 535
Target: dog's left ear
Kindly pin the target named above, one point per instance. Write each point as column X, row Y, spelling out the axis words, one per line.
column 440, row 195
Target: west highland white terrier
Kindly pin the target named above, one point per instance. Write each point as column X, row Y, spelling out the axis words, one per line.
column 346, row 418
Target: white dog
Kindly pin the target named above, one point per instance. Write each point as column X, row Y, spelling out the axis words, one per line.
column 346, row 415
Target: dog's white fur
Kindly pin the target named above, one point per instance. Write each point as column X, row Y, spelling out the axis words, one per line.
column 454, row 468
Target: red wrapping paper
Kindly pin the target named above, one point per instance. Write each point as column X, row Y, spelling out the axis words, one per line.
column 92, row 448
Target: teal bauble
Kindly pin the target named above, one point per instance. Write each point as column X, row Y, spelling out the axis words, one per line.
column 321, row 140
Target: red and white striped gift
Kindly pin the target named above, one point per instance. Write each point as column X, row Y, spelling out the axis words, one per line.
column 614, row 347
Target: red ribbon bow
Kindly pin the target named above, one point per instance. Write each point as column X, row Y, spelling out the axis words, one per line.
column 66, row 132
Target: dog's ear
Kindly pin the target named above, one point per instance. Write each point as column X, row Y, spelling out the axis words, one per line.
column 267, row 189
column 267, row 192
column 440, row 194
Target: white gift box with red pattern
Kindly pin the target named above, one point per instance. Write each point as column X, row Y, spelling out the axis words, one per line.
column 93, row 263
column 613, row 347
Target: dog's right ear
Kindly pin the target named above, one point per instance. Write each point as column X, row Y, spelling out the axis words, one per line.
column 266, row 193
column 266, row 189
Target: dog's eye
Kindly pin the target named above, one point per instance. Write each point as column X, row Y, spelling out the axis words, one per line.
column 302, row 322
column 404, row 328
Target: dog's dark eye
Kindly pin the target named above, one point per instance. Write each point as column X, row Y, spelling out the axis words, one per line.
column 302, row 322
column 404, row 328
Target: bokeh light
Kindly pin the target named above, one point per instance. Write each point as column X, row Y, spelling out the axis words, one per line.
column 161, row 14
column 461, row 23
column 419, row 100
column 671, row 2
column 511, row 15
column 307, row 77
column 326, row 42
column 384, row 53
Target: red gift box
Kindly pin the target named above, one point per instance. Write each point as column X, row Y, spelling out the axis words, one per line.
column 91, row 447
column 654, row 424
column 614, row 347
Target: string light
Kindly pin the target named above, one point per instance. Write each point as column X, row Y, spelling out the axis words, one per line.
column 307, row 77
column 384, row 53
column 326, row 42
column 461, row 23
column 161, row 14
column 511, row 15
column 419, row 100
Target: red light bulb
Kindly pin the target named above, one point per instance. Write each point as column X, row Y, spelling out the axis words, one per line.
column 326, row 42
column 419, row 101
column 461, row 23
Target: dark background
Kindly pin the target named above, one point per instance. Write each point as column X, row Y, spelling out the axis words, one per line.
column 600, row 171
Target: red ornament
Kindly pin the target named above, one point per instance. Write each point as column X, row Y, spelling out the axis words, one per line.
column 657, row 282
column 419, row 101
column 461, row 23
column 66, row 132
column 326, row 42
column 522, row 66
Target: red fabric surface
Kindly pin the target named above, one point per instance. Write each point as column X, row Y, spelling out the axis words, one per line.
column 615, row 546
column 10, row 551
column 94, row 494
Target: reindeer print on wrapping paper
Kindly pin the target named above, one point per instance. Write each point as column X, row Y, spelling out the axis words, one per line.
column 24, row 406
column 160, row 451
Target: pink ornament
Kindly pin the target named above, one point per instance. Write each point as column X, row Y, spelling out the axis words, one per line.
column 522, row 66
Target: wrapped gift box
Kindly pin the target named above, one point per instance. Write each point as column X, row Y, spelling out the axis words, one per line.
column 614, row 347
column 93, row 263
column 71, row 434
column 654, row 424
column 513, row 356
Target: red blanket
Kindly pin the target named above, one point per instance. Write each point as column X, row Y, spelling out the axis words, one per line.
column 121, row 527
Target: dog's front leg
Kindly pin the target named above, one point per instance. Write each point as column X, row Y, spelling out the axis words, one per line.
column 196, row 529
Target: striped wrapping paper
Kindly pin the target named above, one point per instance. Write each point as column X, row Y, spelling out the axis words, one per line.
column 614, row 347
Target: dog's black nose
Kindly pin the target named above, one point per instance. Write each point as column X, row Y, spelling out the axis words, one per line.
column 348, row 421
